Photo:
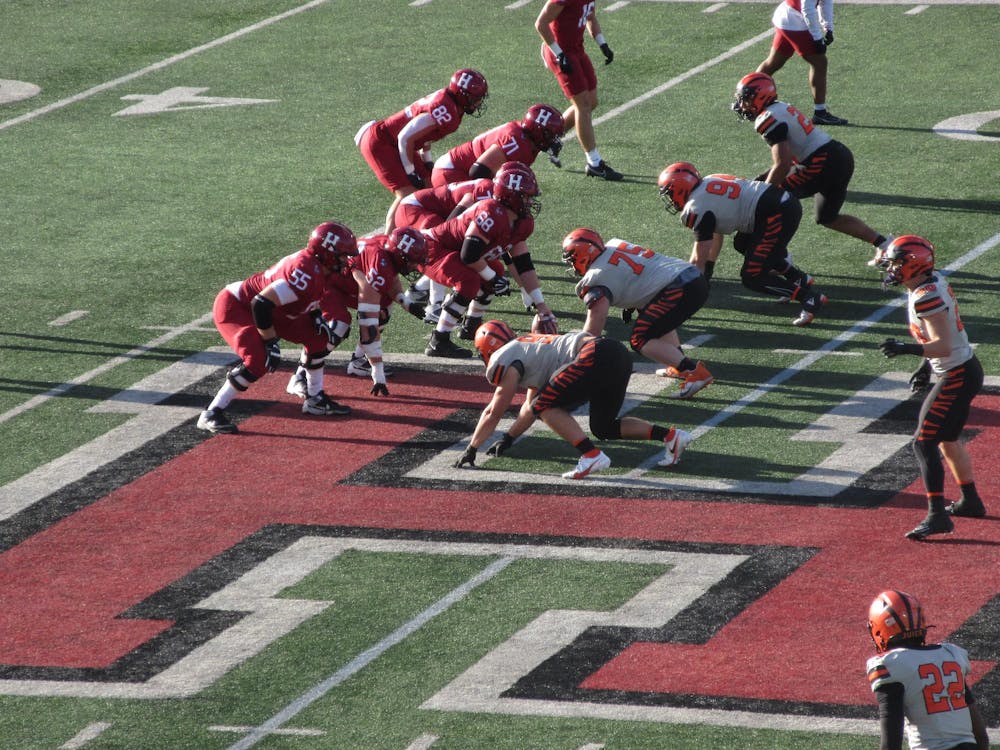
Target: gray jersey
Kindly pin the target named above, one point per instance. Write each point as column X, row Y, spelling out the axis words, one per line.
column 803, row 137
column 632, row 274
column 732, row 200
column 541, row 356
column 933, row 680
column 929, row 299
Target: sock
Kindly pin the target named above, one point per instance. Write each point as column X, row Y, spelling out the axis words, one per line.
column 935, row 502
column 594, row 158
column 659, row 434
column 586, row 448
column 821, row 107
column 358, row 352
column 687, row 364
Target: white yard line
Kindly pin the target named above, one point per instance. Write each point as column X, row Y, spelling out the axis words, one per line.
column 101, row 87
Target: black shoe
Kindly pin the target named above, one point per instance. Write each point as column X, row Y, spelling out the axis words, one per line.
column 469, row 328
column 968, row 508
column 324, row 406
column 935, row 523
column 554, row 150
column 826, row 117
column 604, row 171
column 214, row 420
column 443, row 346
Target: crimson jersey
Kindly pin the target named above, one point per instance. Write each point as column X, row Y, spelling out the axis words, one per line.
column 511, row 139
column 378, row 266
column 570, row 23
column 491, row 218
column 441, row 201
column 297, row 279
column 443, row 110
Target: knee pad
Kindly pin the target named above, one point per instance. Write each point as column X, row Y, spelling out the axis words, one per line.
column 240, row 377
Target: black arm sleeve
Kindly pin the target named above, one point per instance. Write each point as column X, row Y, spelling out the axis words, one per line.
column 263, row 312
column 890, row 715
column 478, row 170
column 472, row 249
column 706, row 227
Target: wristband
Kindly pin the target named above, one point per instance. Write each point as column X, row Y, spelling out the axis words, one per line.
column 536, row 296
column 556, row 49
column 488, row 274
column 600, row 39
column 378, row 372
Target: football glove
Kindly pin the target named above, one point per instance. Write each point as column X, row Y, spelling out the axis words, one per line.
column 608, row 54
column 627, row 313
column 416, row 309
column 892, row 348
column 564, row 64
column 273, row 352
column 501, row 446
column 379, row 389
column 920, row 380
column 469, row 457
column 502, row 287
column 416, row 180
column 429, row 166
column 820, row 46
column 828, row 38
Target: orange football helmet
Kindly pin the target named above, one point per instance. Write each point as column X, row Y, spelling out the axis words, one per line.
column 753, row 93
column 491, row 336
column 895, row 616
column 580, row 249
column 676, row 183
column 907, row 257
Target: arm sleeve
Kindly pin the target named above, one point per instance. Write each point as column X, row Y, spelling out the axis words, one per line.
column 890, row 715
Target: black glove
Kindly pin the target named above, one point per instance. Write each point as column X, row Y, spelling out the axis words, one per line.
column 429, row 166
column 892, row 348
column 416, row 180
column 502, row 287
column 828, row 38
column 488, row 288
column 820, row 46
column 627, row 313
column 416, row 309
column 273, row 352
column 608, row 54
column 380, row 389
column 469, row 457
column 501, row 446
column 564, row 64
column 920, row 380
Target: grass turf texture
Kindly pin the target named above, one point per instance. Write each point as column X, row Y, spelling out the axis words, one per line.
column 140, row 220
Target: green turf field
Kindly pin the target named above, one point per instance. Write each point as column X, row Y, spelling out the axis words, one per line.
column 119, row 229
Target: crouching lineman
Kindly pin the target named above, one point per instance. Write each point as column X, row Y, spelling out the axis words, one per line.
column 561, row 372
column 943, row 341
column 665, row 291
column 281, row 303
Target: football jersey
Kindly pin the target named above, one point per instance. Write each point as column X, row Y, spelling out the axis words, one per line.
column 443, row 109
column 804, row 15
column 493, row 221
column 633, row 275
column 377, row 266
column 802, row 137
column 297, row 279
column 570, row 23
column 732, row 200
column 441, row 201
column 930, row 298
column 511, row 139
column 933, row 680
column 541, row 356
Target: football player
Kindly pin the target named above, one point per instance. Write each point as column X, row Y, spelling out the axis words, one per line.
column 560, row 372
column 942, row 340
column 468, row 254
column 920, row 687
column 560, row 25
column 522, row 140
column 398, row 148
column 806, row 161
column 282, row 303
column 662, row 291
column 804, row 27
column 763, row 218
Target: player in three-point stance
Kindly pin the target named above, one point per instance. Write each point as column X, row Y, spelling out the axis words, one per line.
column 942, row 340
column 919, row 686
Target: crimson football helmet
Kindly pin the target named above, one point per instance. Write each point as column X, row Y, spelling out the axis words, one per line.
column 754, row 92
column 516, row 187
column 544, row 125
column 544, row 323
column 907, row 257
column 332, row 243
column 895, row 616
column 676, row 183
column 491, row 336
column 469, row 88
column 580, row 248
column 408, row 248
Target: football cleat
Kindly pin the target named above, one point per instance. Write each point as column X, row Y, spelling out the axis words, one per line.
column 935, row 523
column 432, row 312
column 674, row 446
column 446, row 348
column 826, row 117
column 810, row 307
column 587, row 466
column 968, row 508
column 214, row 420
column 670, row 372
column 324, row 406
column 297, row 384
column 694, row 381
column 604, row 171
column 360, row 367
column 414, row 295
